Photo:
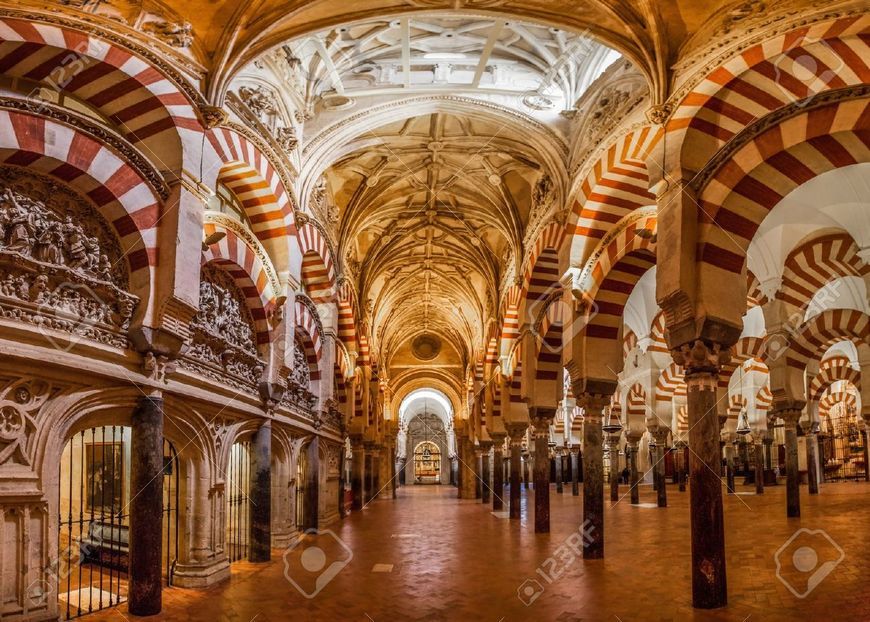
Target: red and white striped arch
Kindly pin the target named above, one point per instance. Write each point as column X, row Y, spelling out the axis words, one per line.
column 120, row 194
column 832, row 398
column 251, row 276
column 767, row 76
column 617, row 185
column 658, row 340
column 347, row 315
column 542, row 269
column 816, row 263
column 629, row 342
column 258, row 186
column 767, row 168
column 736, row 403
column 510, row 330
column 146, row 107
column 763, row 400
column 670, row 384
column 825, row 329
column 307, row 329
column 746, row 348
column 318, row 269
column 754, row 295
column 636, row 405
column 832, row 370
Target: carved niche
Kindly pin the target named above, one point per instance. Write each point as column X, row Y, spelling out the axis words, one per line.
column 298, row 395
column 223, row 335
column 61, row 266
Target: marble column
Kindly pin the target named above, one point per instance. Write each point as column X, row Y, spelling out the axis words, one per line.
column 729, row 468
column 701, row 363
column 376, row 471
column 575, row 471
column 558, row 461
column 146, row 508
column 393, row 479
column 357, row 473
column 485, row 486
column 516, row 433
column 614, row 467
column 478, row 470
column 680, row 464
column 541, row 418
column 768, row 457
column 527, row 470
column 312, row 485
column 744, row 460
column 368, row 482
column 812, row 462
column 759, row 465
column 593, row 474
column 260, row 537
column 497, row 473
column 790, row 418
column 632, row 447
column 661, row 436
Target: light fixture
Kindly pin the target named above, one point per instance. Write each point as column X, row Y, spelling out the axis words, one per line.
column 743, row 423
column 613, row 425
column 213, row 238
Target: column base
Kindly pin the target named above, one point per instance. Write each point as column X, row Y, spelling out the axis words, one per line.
column 201, row 575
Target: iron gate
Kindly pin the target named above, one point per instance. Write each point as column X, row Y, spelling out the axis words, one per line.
column 841, row 447
column 238, row 503
column 94, row 520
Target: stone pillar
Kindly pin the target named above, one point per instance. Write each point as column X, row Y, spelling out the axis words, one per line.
column 593, row 474
column 146, row 508
column 312, row 485
column 744, row 459
column 527, row 470
column 701, row 362
column 615, row 472
column 393, row 479
column 729, row 467
column 632, row 442
column 866, row 437
column 376, row 471
column 260, row 549
column 768, row 458
column 790, row 418
column 478, row 472
column 557, row 458
column 660, row 434
column 486, row 487
column 516, row 432
column 575, row 472
column 812, row 461
column 759, row 466
column 357, row 473
column 680, row 465
column 497, row 474
column 541, row 418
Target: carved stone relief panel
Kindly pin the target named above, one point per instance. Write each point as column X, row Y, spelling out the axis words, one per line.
column 223, row 344
column 298, row 395
column 61, row 266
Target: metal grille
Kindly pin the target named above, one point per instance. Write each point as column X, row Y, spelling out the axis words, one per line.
column 841, row 446
column 238, row 503
column 94, row 520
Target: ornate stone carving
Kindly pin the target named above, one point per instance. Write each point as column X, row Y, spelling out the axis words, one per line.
column 223, row 335
column 213, row 116
column 176, row 34
column 61, row 266
column 20, row 401
column 259, row 100
column 700, row 356
column 298, row 396
column 286, row 137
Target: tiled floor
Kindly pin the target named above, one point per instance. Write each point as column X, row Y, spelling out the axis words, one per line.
column 428, row 556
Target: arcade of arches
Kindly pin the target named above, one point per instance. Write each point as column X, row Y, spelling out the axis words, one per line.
column 304, row 279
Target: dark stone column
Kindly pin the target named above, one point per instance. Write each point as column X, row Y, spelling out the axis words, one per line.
column 357, row 473
column 527, row 470
column 615, row 471
column 729, row 468
column 497, row 474
column 541, row 421
column 680, row 464
column 558, row 461
column 812, row 463
column 632, row 449
column 661, row 436
column 759, row 468
column 593, row 474
column 768, row 443
column 478, row 472
column 393, row 478
column 312, row 485
column 516, row 434
column 744, row 460
column 485, row 486
column 575, row 472
column 146, row 508
column 790, row 418
column 260, row 549
column 709, row 584
column 866, row 438
column 376, row 471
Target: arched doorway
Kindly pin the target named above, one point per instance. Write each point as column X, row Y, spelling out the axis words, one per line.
column 238, row 506
column 94, row 526
column 427, row 463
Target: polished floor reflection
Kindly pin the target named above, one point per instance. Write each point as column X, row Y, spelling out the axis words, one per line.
column 429, row 556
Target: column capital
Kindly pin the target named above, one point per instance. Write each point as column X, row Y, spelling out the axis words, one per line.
column 790, row 413
column 701, row 357
column 660, row 433
column 633, row 438
column 593, row 404
column 516, row 431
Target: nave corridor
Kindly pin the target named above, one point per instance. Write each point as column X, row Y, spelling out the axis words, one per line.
column 455, row 560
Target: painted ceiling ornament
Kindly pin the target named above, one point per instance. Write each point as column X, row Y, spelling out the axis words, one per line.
column 287, row 138
column 259, row 100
